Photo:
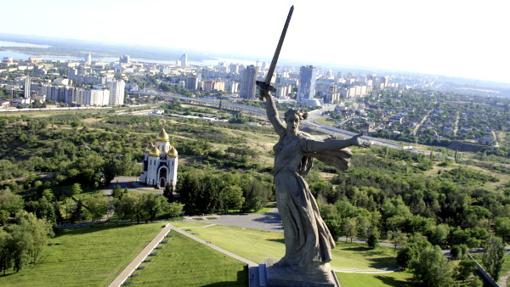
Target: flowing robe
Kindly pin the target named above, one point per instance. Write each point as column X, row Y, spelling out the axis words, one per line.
column 307, row 238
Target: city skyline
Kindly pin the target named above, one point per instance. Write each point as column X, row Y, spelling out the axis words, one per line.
column 425, row 37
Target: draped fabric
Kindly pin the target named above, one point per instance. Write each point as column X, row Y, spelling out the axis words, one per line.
column 307, row 238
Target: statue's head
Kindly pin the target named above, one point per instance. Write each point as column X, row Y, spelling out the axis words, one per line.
column 293, row 118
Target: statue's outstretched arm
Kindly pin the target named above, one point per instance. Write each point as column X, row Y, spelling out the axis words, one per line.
column 272, row 113
column 334, row 144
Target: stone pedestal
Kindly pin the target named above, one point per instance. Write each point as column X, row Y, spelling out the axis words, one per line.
column 279, row 276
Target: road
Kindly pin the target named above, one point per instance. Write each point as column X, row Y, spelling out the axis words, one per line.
column 456, row 124
column 417, row 127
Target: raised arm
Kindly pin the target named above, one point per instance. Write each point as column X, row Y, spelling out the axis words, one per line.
column 272, row 113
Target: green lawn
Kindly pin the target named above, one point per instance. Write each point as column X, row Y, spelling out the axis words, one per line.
column 395, row 279
column 91, row 256
column 184, row 262
column 258, row 246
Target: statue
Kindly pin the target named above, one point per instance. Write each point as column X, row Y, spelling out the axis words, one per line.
column 308, row 242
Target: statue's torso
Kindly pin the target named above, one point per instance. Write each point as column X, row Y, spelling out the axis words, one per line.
column 288, row 154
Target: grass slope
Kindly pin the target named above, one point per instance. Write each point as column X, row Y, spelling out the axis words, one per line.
column 259, row 246
column 395, row 279
column 91, row 256
column 184, row 262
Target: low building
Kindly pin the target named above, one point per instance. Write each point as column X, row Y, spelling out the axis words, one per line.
column 160, row 163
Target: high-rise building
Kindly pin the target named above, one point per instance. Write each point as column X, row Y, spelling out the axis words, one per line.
column 247, row 87
column 233, row 68
column 307, row 75
column 192, row 82
column 184, row 60
column 231, row 87
column 97, row 97
column 69, row 94
column 88, row 59
column 117, row 93
column 27, row 87
column 124, row 59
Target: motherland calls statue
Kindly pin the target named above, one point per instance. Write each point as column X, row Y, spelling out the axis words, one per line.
column 308, row 242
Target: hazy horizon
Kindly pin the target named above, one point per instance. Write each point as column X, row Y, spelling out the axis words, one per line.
column 463, row 40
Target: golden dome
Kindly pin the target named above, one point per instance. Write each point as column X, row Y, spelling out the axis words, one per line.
column 163, row 136
column 154, row 151
column 172, row 152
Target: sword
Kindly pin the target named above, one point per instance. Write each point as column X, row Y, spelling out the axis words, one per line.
column 265, row 86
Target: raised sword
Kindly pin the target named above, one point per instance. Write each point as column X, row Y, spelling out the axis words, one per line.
column 266, row 84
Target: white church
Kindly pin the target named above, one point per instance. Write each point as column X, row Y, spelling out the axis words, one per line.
column 160, row 163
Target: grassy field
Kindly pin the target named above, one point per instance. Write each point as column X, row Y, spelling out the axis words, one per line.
column 395, row 279
column 259, row 246
column 90, row 256
column 184, row 262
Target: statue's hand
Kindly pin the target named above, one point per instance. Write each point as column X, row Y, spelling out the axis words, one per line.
column 358, row 141
column 264, row 94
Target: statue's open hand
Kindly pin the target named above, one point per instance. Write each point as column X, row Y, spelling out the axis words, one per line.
column 358, row 141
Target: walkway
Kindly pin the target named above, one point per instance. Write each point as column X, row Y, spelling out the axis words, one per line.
column 269, row 221
column 133, row 265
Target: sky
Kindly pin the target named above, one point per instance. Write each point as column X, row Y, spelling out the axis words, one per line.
column 467, row 38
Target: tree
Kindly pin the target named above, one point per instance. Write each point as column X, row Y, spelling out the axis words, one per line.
column 10, row 202
column 255, row 195
column 5, row 252
column 503, row 228
column 154, row 205
column 233, row 197
column 130, row 207
column 43, row 208
column 363, row 226
column 332, row 219
column 76, row 189
column 350, row 228
column 465, row 273
column 174, row 209
column 412, row 249
column 458, row 251
column 398, row 237
column 118, row 192
column 438, row 234
column 373, row 239
column 431, row 268
column 492, row 258
column 25, row 242
column 96, row 206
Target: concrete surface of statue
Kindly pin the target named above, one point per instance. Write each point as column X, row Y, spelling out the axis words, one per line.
column 308, row 242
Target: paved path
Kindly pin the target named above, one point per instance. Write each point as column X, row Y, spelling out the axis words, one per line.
column 503, row 280
column 133, row 265
column 363, row 271
column 269, row 221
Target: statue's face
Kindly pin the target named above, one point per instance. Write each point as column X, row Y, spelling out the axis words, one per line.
column 292, row 124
